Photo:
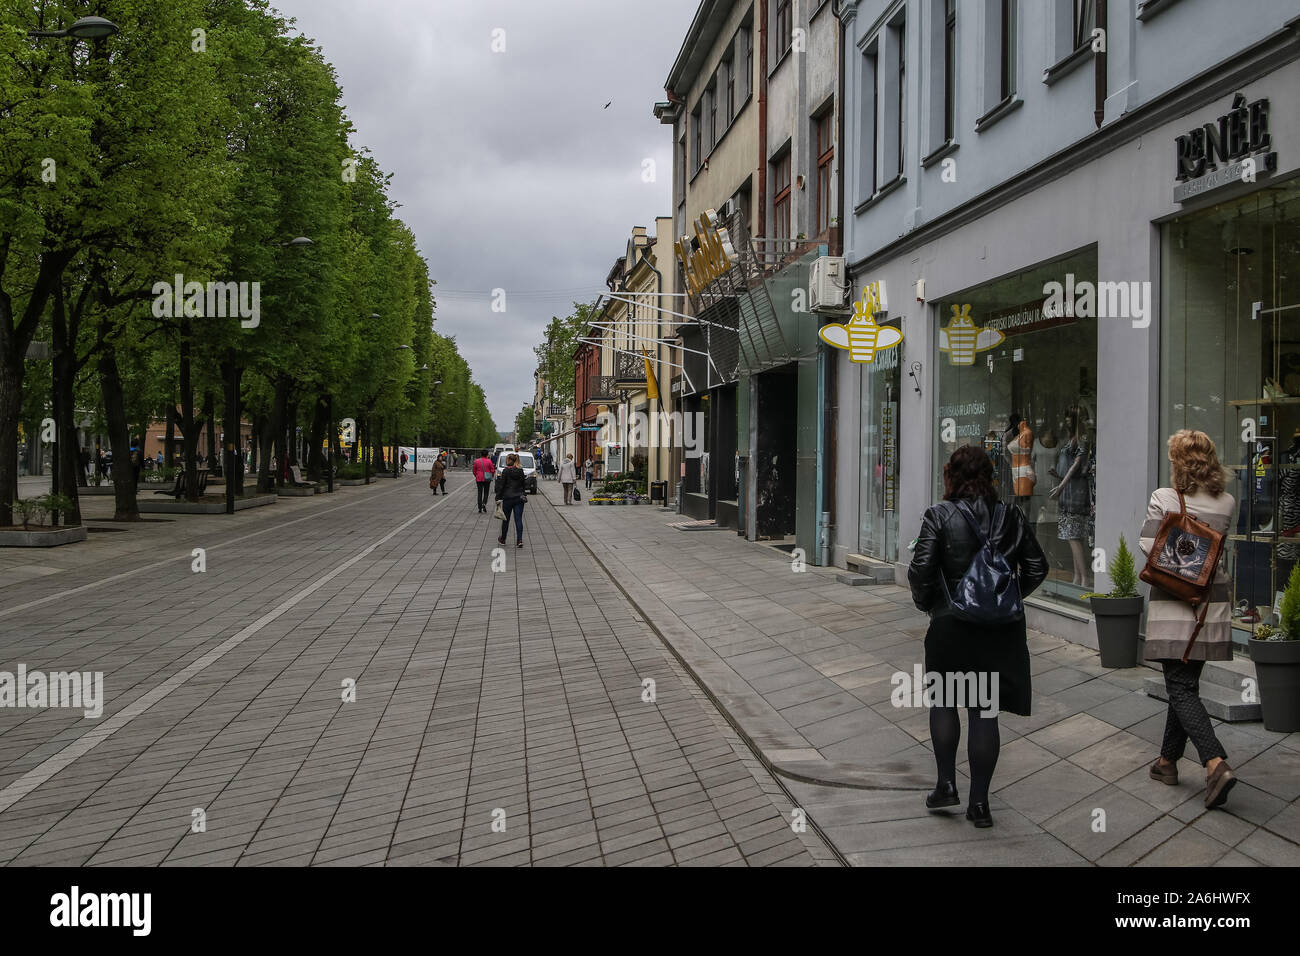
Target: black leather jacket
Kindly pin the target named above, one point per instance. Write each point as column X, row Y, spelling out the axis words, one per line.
column 947, row 545
column 510, row 484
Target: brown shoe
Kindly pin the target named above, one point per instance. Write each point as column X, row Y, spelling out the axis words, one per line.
column 1218, row 784
column 1166, row 775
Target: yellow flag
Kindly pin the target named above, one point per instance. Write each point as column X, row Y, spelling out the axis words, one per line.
column 651, row 384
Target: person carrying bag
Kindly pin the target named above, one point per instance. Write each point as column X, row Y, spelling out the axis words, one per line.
column 1189, row 620
column 974, row 562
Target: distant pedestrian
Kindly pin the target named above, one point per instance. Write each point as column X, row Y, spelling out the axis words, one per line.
column 981, row 642
column 483, row 477
column 438, row 477
column 1198, row 481
column 590, row 468
column 512, row 492
column 568, row 478
column 404, row 460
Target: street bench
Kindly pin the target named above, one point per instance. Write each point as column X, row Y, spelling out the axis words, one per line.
column 178, row 486
column 296, row 478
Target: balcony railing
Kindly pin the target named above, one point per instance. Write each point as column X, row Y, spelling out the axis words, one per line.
column 600, row 388
column 629, row 371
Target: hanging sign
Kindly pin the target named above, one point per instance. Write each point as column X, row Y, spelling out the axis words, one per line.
column 709, row 255
column 861, row 337
column 889, row 456
column 962, row 338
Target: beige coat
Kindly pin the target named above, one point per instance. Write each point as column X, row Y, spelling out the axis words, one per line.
column 1169, row 620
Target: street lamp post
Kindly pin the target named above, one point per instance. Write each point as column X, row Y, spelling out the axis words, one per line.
column 87, row 28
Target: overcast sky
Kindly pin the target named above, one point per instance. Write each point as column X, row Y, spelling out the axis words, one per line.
column 508, row 166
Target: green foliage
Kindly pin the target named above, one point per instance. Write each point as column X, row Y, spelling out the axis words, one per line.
column 525, row 424
column 1290, row 610
column 36, row 509
column 1123, row 575
column 555, row 354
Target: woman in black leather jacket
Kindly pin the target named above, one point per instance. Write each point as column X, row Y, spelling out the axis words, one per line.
column 511, row 490
column 996, row 656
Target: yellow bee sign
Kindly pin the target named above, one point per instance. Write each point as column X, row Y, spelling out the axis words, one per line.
column 709, row 255
column 962, row 338
column 861, row 336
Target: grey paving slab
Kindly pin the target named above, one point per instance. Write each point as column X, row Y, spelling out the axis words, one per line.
column 459, row 711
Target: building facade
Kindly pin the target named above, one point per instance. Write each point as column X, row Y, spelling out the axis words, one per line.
column 752, row 100
column 1087, row 218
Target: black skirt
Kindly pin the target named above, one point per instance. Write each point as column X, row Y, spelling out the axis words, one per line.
column 960, row 647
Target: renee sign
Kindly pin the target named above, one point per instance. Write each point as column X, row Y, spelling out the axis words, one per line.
column 1233, row 148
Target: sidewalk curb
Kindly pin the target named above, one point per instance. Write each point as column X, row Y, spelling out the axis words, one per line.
column 823, row 773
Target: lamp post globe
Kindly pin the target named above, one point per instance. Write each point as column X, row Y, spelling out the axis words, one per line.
column 92, row 28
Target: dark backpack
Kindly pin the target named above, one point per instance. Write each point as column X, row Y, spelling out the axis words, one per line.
column 989, row 591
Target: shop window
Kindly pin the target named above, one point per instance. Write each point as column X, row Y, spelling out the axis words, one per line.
column 878, row 450
column 1230, row 360
column 1020, row 379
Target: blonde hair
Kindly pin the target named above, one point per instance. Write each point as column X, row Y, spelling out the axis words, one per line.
column 1194, row 463
column 512, row 459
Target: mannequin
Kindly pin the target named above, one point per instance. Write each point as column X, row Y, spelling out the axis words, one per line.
column 1044, row 455
column 1020, row 447
column 1074, row 464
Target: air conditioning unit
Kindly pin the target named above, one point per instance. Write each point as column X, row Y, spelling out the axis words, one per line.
column 828, row 285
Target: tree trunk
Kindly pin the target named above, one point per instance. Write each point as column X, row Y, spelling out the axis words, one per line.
column 233, row 463
column 189, row 427
column 378, row 440
column 11, row 397
column 65, row 427
column 266, row 441
column 279, row 408
column 315, row 437
column 125, row 506
column 169, row 440
column 210, row 420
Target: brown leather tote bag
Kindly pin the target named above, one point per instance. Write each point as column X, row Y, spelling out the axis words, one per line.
column 1182, row 562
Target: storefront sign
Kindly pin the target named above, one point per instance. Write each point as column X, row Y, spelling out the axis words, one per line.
column 613, row 459
column 1216, row 154
column 889, row 455
column 962, row 338
column 1029, row 317
column 861, row 337
column 709, row 255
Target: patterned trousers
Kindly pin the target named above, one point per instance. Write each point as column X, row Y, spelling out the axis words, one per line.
column 1187, row 717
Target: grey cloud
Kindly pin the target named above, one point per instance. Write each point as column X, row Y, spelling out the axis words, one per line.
column 506, row 166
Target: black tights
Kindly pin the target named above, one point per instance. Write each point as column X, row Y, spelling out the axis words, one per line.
column 982, row 748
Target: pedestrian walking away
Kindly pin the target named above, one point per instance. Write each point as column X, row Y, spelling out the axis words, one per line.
column 512, row 492
column 483, row 477
column 1198, row 479
column 568, row 478
column 404, row 460
column 438, row 476
column 590, row 469
column 975, row 559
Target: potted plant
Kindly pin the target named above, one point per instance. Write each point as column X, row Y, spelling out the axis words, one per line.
column 1276, row 653
column 1118, row 612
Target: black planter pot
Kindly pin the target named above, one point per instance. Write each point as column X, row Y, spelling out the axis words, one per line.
column 1117, row 629
column 1277, row 665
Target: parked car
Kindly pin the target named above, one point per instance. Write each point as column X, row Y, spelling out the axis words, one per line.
column 529, row 464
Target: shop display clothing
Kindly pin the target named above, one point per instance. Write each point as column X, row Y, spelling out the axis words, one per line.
column 1020, row 448
column 1288, row 501
column 1075, row 515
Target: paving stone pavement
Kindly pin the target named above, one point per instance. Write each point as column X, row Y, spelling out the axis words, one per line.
column 803, row 665
column 513, row 696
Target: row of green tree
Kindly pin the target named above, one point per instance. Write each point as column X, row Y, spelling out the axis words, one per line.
column 186, row 153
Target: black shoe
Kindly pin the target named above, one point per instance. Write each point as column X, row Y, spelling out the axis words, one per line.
column 501, row 540
column 978, row 814
column 944, row 795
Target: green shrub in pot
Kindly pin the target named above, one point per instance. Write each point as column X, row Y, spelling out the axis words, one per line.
column 1276, row 655
column 1118, row 612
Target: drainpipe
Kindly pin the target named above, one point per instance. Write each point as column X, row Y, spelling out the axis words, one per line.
column 762, row 120
column 1099, row 65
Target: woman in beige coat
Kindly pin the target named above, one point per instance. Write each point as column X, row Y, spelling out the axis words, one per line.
column 1196, row 472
